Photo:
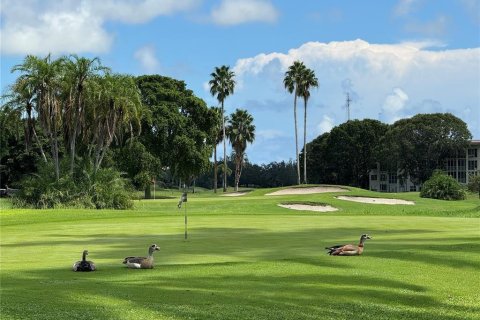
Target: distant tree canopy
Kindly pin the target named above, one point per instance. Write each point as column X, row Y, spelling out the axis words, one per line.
column 416, row 146
column 346, row 154
column 420, row 144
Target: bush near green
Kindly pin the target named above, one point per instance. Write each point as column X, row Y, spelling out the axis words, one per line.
column 103, row 189
column 442, row 186
column 474, row 184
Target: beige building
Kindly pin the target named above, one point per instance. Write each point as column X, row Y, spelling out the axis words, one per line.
column 461, row 168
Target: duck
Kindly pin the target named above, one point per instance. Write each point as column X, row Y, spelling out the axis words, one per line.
column 142, row 262
column 348, row 249
column 84, row 264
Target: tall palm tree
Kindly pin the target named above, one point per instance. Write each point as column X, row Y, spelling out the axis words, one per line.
column 241, row 131
column 222, row 84
column 44, row 75
column 292, row 82
column 21, row 99
column 78, row 71
column 113, row 107
column 308, row 80
column 218, row 138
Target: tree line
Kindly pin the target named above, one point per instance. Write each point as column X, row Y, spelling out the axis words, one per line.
column 71, row 128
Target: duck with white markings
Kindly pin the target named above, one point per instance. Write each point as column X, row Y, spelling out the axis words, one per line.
column 142, row 262
column 348, row 249
column 84, row 264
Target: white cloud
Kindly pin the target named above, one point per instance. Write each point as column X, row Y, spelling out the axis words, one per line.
column 391, row 81
column 146, row 56
column 325, row 125
column 49, row 26
column 233, row 12
column 269, row 134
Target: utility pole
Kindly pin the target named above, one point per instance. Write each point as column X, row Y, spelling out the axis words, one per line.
column 348, row 106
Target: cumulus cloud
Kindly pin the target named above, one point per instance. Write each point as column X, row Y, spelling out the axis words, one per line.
column 146, row 56
column 233, row 12
column 391, row 81
column 49, row 26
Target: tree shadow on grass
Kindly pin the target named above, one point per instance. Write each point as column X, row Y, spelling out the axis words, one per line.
column 217, row 291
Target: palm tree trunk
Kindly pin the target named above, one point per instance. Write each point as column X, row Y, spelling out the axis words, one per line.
column 305, row 142
column 224, row 153
column 215, row 169
column 296, row 136
column 39, row 145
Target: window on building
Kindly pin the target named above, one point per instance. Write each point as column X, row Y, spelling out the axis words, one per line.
column 461, row 164
column 451, row 164
column 413, row 188
column 462, row 177
column 472, row 153
column 472, row 165
column 392, row 178
column 373, row 177
column 383, row 177
column 383, row 187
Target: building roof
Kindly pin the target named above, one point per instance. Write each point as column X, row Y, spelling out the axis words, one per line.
column 475, row 142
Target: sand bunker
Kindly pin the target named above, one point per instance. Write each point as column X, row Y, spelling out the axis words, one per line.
column 306, row 190
column 234, row 194
column 308, row 207
column 376, row 200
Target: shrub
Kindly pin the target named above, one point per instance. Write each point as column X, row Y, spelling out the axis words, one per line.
column 442, row 186
column 85, row 189
column 474, row 184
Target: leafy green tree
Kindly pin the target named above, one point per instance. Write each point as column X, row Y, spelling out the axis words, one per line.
column 419, row 145
column 347, row 153
column 292, row 82
column 308, row 80
column 222, row 84
column 178, row 126
column 139, row 164
column 240, row 131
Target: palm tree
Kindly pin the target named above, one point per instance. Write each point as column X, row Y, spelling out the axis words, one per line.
column 21, row 99
column 240, row 132
column 113, row 107
column 292, row 82
column 43, row 76
column 78, row 71
column 308, row 80
column 218, row 138
column 222, row 85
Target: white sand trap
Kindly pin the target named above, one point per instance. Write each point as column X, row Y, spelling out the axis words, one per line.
column 376, row 200
column 308, row 207
column 306, row 190
column 234, row 194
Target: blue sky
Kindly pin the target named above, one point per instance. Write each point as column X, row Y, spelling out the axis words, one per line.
column 395, row 58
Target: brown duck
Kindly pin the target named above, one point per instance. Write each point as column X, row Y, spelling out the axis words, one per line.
column 142, row 262
column 348, row 249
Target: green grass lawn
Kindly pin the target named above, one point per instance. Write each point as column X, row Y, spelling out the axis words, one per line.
column 245, row 258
